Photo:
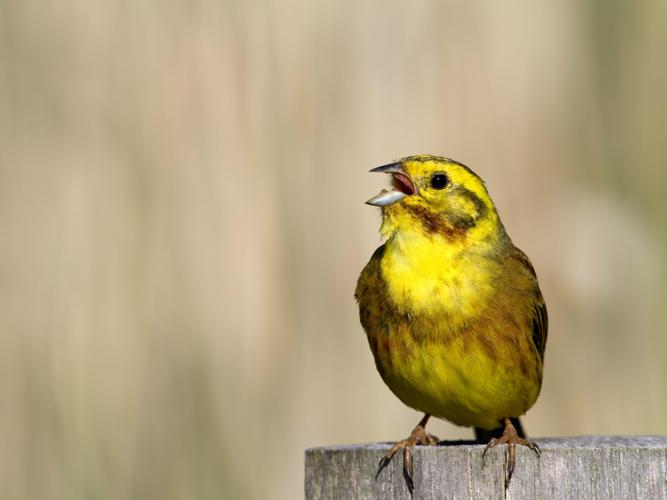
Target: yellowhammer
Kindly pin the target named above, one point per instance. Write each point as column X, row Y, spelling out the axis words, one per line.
column 452, row 309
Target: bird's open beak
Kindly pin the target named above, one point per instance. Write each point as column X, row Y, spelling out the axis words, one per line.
column 401, row 182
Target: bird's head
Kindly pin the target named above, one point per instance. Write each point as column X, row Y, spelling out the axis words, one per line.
column 436, row 196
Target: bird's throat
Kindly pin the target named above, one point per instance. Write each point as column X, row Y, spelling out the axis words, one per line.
column 436, row 277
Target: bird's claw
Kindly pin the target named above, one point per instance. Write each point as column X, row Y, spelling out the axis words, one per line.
column 511, row 438
column 533, row 446
column 418, row 437
column 384, row 461
column 490, row 444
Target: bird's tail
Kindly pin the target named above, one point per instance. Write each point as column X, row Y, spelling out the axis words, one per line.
column 483, row 436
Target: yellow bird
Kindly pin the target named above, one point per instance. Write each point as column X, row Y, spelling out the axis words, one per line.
column 452, row 309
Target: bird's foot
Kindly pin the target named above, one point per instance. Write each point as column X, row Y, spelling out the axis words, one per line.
column 511, row 438
column 419, row 436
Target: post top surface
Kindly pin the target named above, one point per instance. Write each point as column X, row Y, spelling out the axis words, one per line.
column 546, row 443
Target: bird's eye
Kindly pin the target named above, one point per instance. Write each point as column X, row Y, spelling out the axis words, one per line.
column 438, row 181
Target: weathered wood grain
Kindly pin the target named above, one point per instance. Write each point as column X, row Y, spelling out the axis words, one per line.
column 586, row 467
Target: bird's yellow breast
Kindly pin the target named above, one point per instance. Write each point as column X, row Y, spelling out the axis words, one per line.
column 429, row 276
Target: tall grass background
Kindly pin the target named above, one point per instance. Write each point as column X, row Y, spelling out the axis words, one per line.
column 181, row 207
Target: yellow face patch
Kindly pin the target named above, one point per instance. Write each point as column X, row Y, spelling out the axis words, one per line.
column 450, row 201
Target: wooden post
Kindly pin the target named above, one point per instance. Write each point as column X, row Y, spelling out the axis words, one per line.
column 587, row 467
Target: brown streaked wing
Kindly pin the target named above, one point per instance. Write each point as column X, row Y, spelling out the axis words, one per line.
column 540, row 318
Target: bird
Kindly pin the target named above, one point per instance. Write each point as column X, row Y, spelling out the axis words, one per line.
column 452, row 309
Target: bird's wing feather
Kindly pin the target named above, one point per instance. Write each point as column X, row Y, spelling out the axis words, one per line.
column 539, row 316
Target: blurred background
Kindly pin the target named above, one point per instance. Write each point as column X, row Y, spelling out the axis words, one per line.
column 181, row 205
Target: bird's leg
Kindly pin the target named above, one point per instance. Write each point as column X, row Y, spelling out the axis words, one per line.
column 511, row 438
column 419, row 436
